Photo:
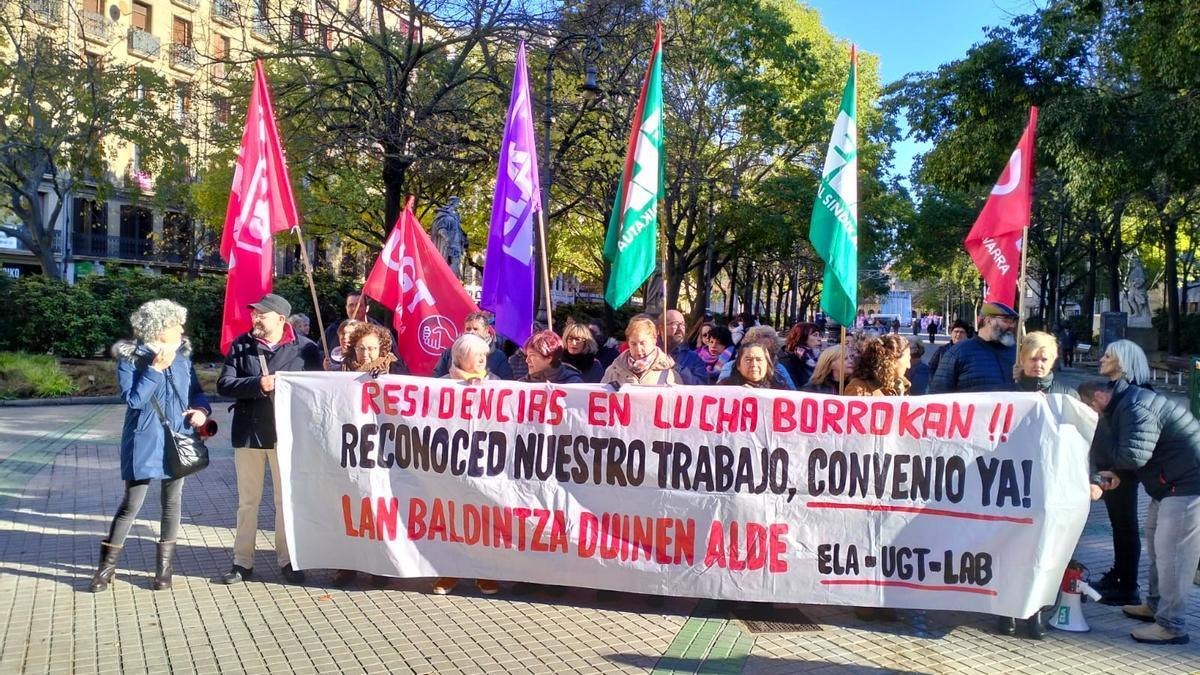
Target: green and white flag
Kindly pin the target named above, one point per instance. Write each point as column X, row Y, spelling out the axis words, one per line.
column 833, row 229
column 633, row 227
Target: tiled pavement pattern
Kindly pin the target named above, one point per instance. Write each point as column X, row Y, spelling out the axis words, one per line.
column 59, row 485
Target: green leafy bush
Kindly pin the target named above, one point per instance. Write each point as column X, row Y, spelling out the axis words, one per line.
column 32, row 375
column 1189, row 331
column 85, row 319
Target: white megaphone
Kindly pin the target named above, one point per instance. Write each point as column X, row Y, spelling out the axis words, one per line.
column 1068, row 613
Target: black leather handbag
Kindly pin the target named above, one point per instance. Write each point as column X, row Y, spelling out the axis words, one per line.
column 183, row 453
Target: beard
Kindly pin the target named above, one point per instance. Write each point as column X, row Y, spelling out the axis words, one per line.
column 258, row 331
column 1008, row 339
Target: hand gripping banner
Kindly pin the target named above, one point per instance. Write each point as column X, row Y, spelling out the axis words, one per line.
column 966, row 502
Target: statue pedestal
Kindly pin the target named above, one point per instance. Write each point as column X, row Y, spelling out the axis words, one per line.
column 1146, row 338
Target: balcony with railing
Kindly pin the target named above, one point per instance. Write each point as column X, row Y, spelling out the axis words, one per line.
column 97, row 27
column 138, row 249
column 13, row 244
column 187, row 4
column 144, row 44
column 183, row 57
column 225, row 11
column 262, row 26
column 46, row 11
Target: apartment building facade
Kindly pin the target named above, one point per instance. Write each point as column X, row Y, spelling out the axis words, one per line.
column 190, row 43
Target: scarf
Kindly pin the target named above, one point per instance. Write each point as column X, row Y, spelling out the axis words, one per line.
column 1027, row 383
column 466, row 376
column 639, row 366
column 380, row 365
column 582, row 362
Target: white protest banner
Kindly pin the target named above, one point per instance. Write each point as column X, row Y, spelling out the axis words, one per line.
column 969, row 502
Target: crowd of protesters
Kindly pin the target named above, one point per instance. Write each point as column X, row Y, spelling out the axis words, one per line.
column 1142, row 438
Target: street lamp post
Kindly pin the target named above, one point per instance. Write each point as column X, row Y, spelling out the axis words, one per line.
column 589, row 91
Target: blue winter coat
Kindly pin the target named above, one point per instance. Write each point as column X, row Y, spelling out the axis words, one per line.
column 142, row 435
column 975, row 365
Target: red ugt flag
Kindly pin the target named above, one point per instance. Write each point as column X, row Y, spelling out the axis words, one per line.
column 430, row 304
column 995, row 241
column 260, row 204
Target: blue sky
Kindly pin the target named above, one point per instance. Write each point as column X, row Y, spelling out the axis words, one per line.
column 915, row 35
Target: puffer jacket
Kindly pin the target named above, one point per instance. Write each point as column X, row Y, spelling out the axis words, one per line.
column 254, row 412
column 1156, row 438
column 1046, row 385
column 661, row 372
column 975, row 365
column 142, row 433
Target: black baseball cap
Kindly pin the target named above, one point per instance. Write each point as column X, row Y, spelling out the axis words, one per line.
column 273, row 303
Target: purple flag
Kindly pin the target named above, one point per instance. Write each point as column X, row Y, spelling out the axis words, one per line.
column 508, row 273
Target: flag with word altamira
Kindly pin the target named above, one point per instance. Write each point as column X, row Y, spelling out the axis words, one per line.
column 508, row 274
column 260, row 204
column 996, row 238
column 633, row 227
column 833, row 229
column 429, row 303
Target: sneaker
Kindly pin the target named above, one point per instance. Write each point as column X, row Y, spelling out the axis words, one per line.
column 1155, row 634
column 1121, row 598
column 487, row 586
column 1139, row 612
column 1108, row 583
column 444, row 585
column 292, row 576
column 236, row 575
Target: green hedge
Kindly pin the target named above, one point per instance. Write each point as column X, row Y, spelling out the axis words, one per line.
column 83, row 320
column 1189, row 329
column 38, row 375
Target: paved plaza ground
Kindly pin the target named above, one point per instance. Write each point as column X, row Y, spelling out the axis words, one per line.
column 60, row 485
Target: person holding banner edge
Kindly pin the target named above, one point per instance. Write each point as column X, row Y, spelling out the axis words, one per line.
column 249, row 376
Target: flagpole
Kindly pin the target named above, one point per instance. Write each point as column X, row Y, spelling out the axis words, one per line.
column 1021, row 283
column 845, row 364
column 312, row 286
column 545, row 271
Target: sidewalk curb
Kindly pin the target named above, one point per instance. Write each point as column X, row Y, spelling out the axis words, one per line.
column 83, row 400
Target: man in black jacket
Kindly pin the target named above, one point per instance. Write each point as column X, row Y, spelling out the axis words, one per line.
column 984, row 362
column 1161, row 442
column 271, row 346
column 480, row 324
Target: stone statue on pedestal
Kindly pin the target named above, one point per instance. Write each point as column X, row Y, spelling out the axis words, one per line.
column 449, row 237
column 1136, row 298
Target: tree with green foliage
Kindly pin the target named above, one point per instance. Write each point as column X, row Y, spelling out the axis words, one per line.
column 62, row 117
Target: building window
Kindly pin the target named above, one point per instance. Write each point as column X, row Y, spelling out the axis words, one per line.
column 222, row 110
column 89, row 227
column 221, row 47
column 181, row 32
column 183, row 102
column 137, row 229
column 299, row 26
column 141, row 16
column 96, row 6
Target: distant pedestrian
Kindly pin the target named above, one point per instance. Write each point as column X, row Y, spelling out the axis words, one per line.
column 158, row 386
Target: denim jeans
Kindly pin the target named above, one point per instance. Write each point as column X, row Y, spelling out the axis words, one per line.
column 1173, row 543
column 135, row 494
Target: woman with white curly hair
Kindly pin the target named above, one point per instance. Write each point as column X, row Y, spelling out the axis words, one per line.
column 155, row 368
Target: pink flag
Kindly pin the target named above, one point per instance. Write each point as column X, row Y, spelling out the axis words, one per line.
column 429, row 302
column 995, row 240
column 260, row 204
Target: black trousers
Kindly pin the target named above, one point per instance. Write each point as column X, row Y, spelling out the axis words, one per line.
column 1122, row 506
column 135, row 495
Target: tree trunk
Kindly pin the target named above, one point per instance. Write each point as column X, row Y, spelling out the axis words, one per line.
column 394, row 170
column 769, row 293
column 1170, row 233
column 1087, row 306
column 1113, row 260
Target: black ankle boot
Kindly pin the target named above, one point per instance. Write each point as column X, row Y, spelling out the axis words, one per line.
column 164, row 567
column 1006, row 625
column 107, row 569
column 1036, row 626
